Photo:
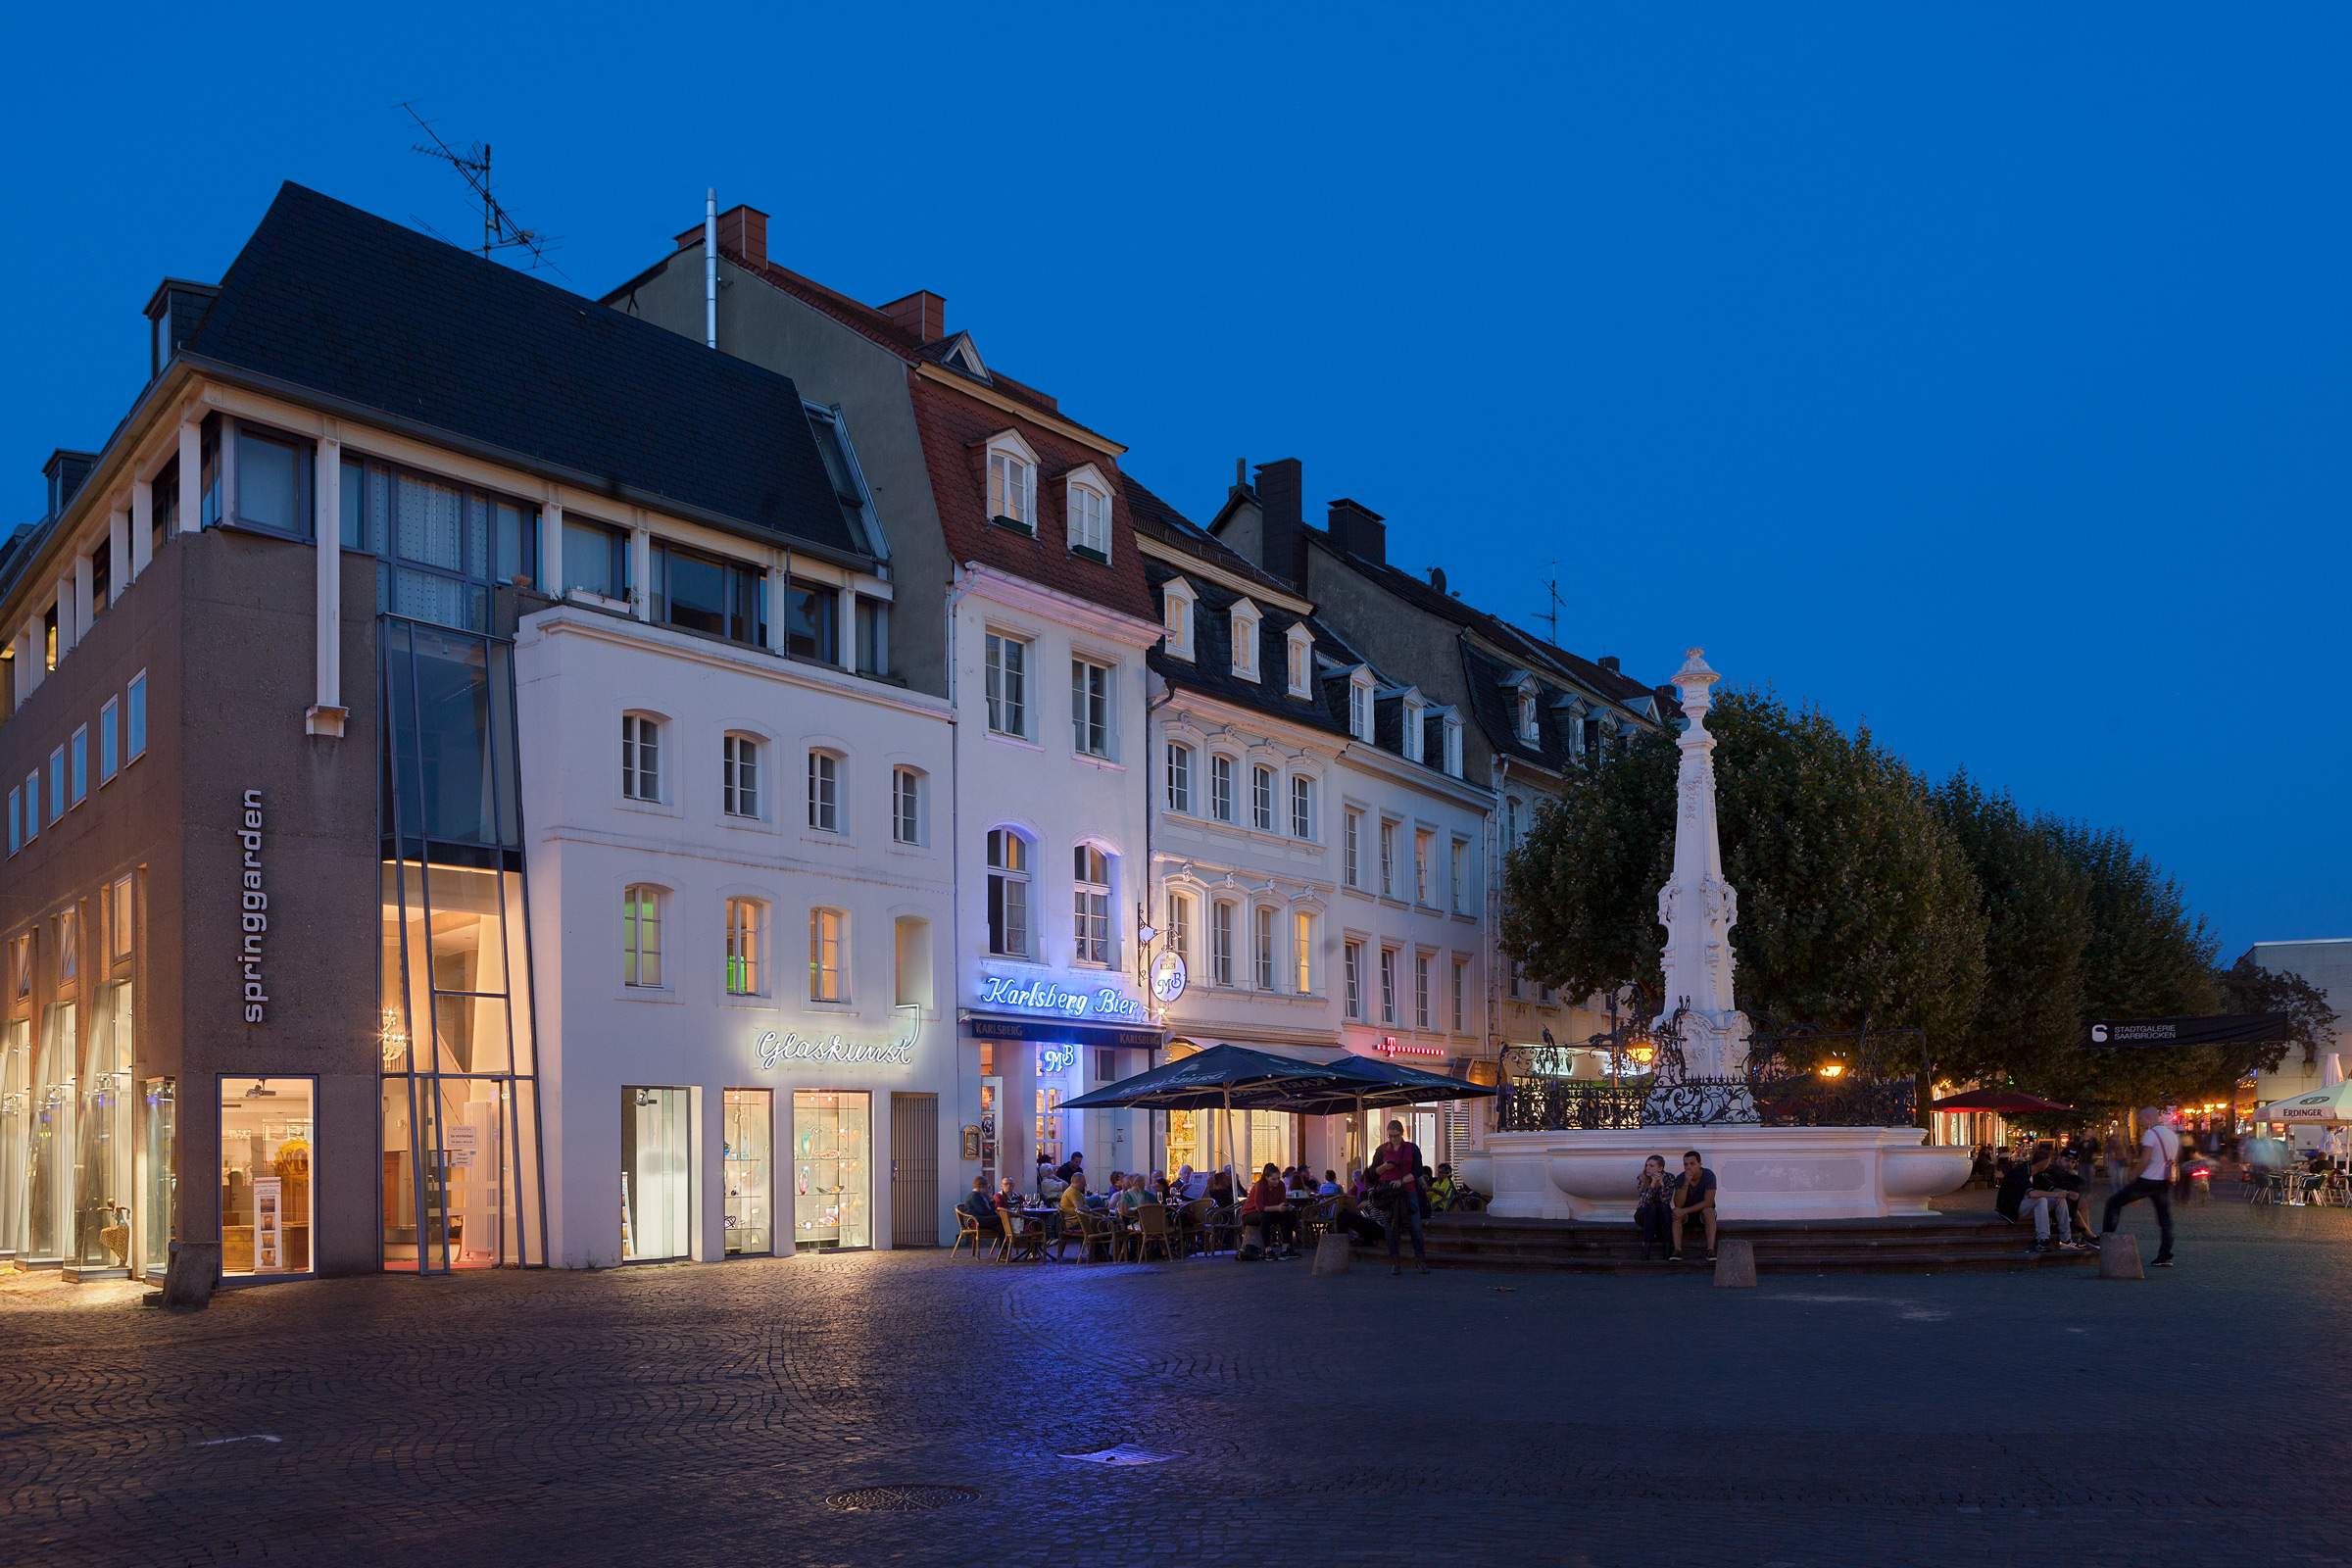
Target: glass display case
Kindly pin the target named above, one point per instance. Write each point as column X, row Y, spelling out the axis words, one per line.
column 750, row 1161
column 832, row 1168
column 265, row 1164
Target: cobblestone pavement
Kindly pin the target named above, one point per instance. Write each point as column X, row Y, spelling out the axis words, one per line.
column 704, row 1413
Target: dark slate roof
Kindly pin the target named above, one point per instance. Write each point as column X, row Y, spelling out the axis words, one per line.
column 1496, row 707
column 1209, row 670
column 338, row 301
column 1164, row 522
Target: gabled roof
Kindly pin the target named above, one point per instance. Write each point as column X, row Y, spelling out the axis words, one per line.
column 333, row 300
column 1496, row 707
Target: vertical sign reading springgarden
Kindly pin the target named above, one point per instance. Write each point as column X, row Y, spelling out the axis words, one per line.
column 255, row 907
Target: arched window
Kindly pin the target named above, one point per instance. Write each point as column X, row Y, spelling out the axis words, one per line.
column 1180, row 777
column 747, row 931
column 641, row 935
column 1261, row 799
column 1180, row 926
column 739, row 775
column 1220, row 788
column 1008, row 892
column 1303, row 806
column 1090, row 874
column 824, row 792
column 1220, row 944
column 1262, row 945
column 640, row 757
column 828, row 955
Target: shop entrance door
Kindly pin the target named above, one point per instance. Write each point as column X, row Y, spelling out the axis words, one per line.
column 914, row 1170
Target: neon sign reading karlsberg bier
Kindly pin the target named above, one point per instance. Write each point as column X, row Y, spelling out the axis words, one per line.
column 1047, row 996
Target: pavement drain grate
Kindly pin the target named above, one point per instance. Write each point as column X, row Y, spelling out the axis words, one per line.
column 901, row 1500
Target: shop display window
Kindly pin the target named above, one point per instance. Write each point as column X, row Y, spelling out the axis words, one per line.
column 266, row 1160
column 751, row 1165
column 103, row 1183
column 15, row 1130
column 49, row 1183
column 832, row 1168
column 655, row 1174
column 160, row 1195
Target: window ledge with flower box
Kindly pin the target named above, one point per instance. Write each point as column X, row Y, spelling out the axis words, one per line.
column 1014, row 525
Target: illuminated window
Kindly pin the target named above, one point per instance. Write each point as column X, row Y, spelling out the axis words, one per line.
column 824, row 955
column 746, row 923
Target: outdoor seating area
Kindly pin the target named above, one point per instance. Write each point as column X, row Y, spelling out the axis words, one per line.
column 1098, row 1231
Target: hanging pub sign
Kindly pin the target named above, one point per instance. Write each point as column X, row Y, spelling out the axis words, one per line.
column 2213, row 1029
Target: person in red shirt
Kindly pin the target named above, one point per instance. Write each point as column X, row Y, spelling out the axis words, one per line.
column 1270, row 1205
column 1396, row 1173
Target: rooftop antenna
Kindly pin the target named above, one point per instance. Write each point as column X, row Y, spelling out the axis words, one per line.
column 499, row 230
column 1551, row 617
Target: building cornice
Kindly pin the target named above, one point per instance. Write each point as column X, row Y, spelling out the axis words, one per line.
column 565, row 621
column 1017, row 408
column 1002, row 587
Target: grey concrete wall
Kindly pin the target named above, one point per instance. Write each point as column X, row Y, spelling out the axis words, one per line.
column 831, row 363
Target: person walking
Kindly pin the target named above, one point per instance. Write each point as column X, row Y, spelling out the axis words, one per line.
column 1396, row 1167
column 2160, row 1148
column 2118, row 1154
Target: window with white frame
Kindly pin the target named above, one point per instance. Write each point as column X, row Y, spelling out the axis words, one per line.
column 1354, row 958
column 1360, row 706
column 1090, row 871
column 1243, row 616
column 747, row 928
column 1300, row 651
column 1410, row 739
column 824, row 792
column 1518, row 985
column 1423, row 847
column 1008, row 892
column 1090, row 521
column 905, row 806
column 1220, row 788
column 1387, row 859
column 1460, row 971
column 1013, row 483
column 1420, row 990
column 1526, row 713
column 1007, row 685
column 1180, row 926
column 1180, row 777
column 739, row 775
column 1220, row 943
column 1089, row 708
column 1303, row 952
column 1176, row 610
column 1388, row 985
column 1510, row 823
column 122, row 921
column 640, row 758
column 641, row 935
column 828, row 955
column 1453, row 744
column 1462, row 854
column 1351, row 870
column 1261, row 799
column 1263, row 949
column 1303, row 806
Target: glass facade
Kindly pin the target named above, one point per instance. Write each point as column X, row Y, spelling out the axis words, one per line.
column 751, row 1168
column 461, row 1173
column 832, row 1168
column 49, row 1177
column 15, row 1130
column 103, row 1175
column 656, row 1172
column 268, row 1126
column 159, row 1214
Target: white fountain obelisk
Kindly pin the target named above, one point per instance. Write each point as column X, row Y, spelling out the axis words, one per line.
column 1698, row 909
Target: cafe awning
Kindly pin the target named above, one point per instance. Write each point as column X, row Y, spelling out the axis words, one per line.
column 1236, row 1078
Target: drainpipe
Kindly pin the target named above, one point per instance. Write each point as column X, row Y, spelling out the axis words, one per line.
column 710, row 268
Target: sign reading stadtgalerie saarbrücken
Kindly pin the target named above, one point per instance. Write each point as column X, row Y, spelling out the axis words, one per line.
column 2213, row 1029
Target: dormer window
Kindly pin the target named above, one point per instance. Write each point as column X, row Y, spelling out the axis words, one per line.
column 1453, row 743
column 1088, row 504
column 1360, row 706
column 1176, row 610
column 1011, row 482
column 1527, row 714
column 1301, row 654
column 1245, row 640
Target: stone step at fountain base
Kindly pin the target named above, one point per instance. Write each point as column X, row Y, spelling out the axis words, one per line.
column 1925, row 1244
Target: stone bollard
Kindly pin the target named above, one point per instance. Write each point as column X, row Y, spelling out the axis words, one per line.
column 1734, row 1262
column 194, row 1269
column 1332, row 1256
column 2119, row 1256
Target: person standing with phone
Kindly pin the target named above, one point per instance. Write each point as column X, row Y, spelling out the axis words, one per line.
column 2160, row 1158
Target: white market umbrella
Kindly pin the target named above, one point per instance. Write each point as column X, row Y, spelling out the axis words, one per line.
column 2327, row 1107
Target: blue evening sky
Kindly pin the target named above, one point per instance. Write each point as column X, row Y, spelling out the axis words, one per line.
column 1976, row 371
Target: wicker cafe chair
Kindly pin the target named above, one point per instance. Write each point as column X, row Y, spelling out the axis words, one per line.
column 1024, row 1239
column 1192, row 1221
column 968, row 1233
column 1226, row 1223
column 1085, row 1232
column 1155, row 1232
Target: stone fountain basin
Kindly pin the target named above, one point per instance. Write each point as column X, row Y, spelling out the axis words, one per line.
column 1762, row 1172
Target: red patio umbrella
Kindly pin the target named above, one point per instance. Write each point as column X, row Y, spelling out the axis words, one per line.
column 1998, row 1100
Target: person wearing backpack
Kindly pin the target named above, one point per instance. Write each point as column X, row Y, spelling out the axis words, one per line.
column 1397, row 1169
column 2160, row 1151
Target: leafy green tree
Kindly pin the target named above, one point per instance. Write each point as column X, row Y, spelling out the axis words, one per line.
column 1856, row 903
column 2248, row 987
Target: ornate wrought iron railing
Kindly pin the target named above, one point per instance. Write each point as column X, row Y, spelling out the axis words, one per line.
column 1567, row 1105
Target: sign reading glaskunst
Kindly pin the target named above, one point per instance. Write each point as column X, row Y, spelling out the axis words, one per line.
column 254, row 908
column 790, row 1046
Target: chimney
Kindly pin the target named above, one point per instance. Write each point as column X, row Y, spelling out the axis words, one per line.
column 1361, row 531
column 1282, row 510
column 1608, row 662
column 921, row 316
column 66, row 470
column 744, row 231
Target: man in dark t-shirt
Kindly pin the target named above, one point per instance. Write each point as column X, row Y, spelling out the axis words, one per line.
column 1693, row 1194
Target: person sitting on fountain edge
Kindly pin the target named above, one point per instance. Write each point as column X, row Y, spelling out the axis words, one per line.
column 1693, row 1194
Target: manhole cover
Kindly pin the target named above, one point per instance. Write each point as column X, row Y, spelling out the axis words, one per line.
column 899, row 1499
